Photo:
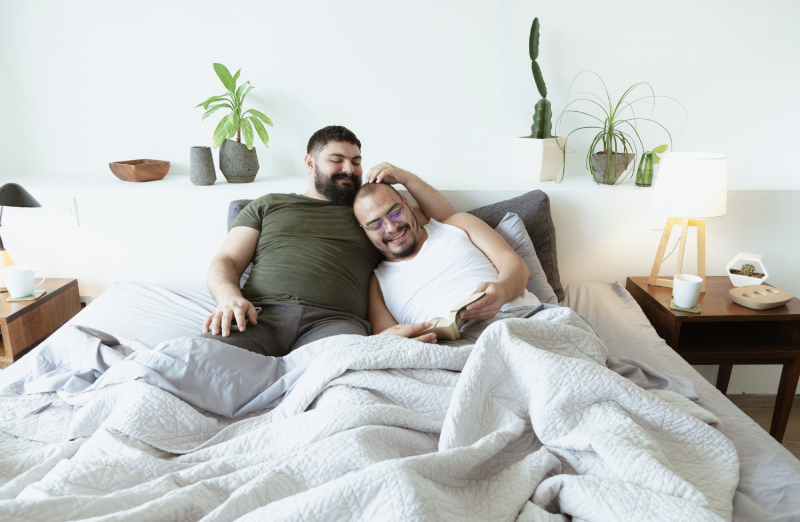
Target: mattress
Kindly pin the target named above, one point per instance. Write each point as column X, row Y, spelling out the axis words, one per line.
column 769, row 487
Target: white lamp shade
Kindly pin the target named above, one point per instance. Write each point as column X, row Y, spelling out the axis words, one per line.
column 691, row 185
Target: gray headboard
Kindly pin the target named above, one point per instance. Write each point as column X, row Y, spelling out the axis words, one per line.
column 534, row 210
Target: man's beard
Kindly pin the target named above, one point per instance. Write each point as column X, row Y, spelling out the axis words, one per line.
column 412, row 245
column 342, row 196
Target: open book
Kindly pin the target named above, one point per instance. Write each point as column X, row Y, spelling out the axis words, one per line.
column 450, row 329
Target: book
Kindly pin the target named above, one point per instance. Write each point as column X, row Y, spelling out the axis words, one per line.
column 450, row 329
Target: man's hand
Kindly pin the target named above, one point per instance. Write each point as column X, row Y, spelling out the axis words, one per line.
column 227, row 310
column 389, row 174
column 410, row 330
column 430, row 202
column 488, row 305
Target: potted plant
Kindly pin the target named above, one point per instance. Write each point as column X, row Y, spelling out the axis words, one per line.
column 540, row 155
column 644, row 178
column 746, row 274
column 238, row 162
column 617, row 141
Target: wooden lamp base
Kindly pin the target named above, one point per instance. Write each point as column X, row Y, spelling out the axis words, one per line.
column 685, row 223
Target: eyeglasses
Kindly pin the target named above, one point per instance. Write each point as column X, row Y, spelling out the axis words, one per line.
column 394, row 216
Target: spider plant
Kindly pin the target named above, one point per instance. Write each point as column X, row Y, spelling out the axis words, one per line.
column 237, row 122
column 617, row 140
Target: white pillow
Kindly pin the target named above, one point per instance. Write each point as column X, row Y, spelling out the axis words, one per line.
column 512, row 229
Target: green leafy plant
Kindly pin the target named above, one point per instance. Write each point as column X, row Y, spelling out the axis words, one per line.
column 542, row 117
column 617, row 124
column 658, row 150
column 237, row 122
column 748, row 270
column 644, row 178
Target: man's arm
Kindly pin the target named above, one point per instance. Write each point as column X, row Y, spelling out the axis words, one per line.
column 223, row 281
column 514, row 273
column 430, row 201
column 384, row 323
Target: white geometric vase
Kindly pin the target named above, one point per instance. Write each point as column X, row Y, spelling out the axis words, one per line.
column 737, row 262
column 538, row 160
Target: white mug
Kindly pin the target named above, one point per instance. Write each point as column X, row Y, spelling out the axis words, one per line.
column 686, row 289
column 19, row 280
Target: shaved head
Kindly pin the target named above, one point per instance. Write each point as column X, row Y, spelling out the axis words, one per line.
column 366, row 190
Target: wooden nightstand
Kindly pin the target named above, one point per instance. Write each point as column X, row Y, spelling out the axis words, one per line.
column 25, row 324
column 725, row 333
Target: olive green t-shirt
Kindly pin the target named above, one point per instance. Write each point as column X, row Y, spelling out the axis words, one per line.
column 310, row 252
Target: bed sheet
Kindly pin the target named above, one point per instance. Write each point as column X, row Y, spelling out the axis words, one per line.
column 769, row 483
column 769, row 487
column 147, row 313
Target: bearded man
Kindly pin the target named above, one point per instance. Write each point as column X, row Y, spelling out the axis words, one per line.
column 311, row 262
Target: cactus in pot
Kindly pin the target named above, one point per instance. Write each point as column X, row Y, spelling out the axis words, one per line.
column 542, row 117
column 539, row 156
column 748, row 270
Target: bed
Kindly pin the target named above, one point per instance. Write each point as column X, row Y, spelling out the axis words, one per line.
column 38, row 481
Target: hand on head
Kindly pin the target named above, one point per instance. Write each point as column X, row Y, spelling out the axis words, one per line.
column 387, row 173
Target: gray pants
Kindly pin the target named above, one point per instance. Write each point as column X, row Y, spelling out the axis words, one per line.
column 284, row 327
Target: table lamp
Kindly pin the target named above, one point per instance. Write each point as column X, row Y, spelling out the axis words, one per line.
column 690, row 187
column 12, row 195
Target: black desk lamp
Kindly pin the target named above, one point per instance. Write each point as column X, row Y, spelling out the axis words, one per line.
column 12, row 195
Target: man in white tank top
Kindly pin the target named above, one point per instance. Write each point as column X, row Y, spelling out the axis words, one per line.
column 430, row 266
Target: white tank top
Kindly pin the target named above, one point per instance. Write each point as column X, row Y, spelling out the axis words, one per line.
column 446, row 270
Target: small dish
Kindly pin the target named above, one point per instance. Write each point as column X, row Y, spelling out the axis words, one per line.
column 760, row 297
column 140, row 170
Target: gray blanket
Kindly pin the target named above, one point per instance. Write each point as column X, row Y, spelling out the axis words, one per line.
column 215, row 376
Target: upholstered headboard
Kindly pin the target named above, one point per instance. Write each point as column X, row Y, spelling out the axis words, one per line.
column 534, row 210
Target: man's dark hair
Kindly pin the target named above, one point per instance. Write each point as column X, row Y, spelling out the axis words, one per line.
column 328, row 134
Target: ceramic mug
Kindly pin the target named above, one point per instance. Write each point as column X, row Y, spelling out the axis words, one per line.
column 19, row 280
column 686, row 290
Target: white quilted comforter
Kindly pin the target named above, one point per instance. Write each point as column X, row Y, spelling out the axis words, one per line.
column 534, row 427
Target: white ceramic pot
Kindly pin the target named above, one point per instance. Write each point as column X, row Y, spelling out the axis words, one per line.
column 539, row 160
column 737, row 262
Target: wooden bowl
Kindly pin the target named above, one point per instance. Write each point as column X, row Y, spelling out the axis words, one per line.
column 140, row 170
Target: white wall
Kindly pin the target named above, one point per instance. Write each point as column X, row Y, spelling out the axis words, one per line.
column 436, row 87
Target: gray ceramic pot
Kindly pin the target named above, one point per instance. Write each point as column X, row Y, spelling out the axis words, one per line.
column 238, row 164
column 201, row 166
column 599, row 166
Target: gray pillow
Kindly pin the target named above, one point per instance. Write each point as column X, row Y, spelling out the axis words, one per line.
column 512, row 229
column 234, row 208
column 533, row 208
